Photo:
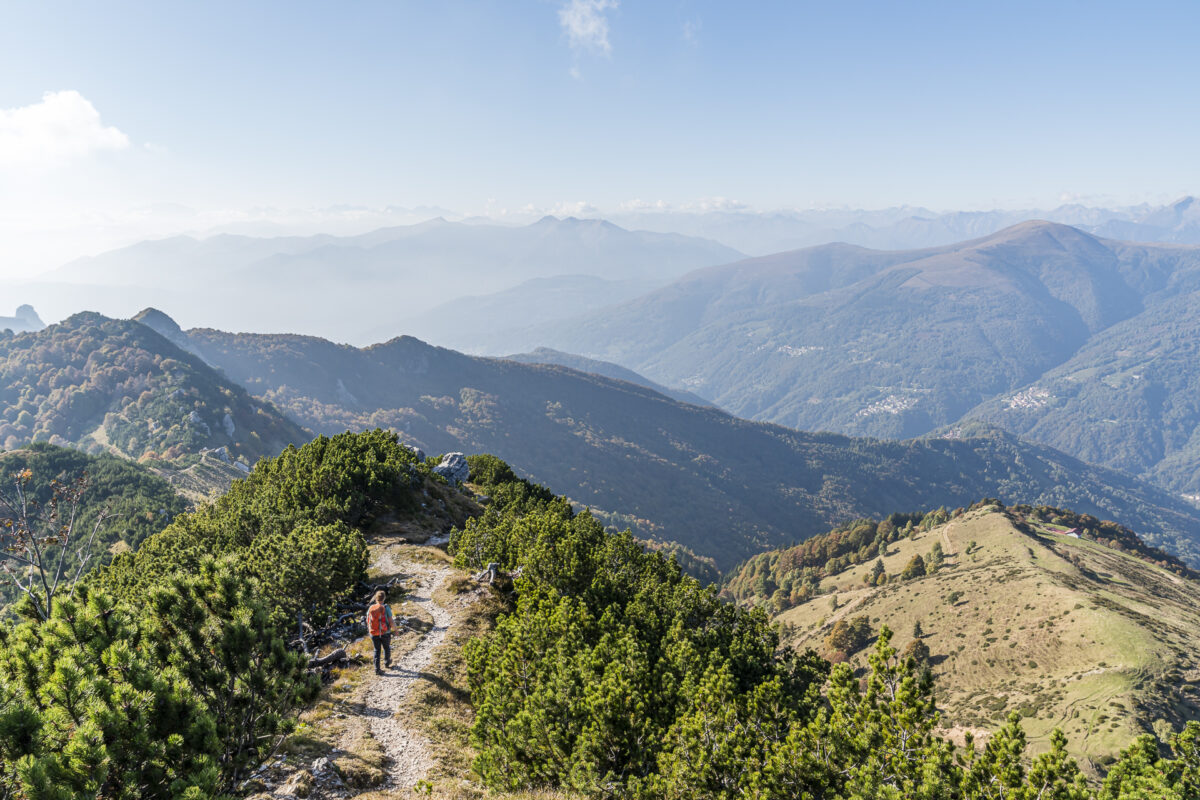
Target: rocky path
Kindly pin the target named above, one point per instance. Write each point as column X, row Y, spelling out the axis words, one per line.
column 406, row 750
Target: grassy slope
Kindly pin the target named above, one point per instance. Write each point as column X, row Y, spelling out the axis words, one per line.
column 1102, row 650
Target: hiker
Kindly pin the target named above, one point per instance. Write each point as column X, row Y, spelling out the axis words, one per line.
column 379, row 626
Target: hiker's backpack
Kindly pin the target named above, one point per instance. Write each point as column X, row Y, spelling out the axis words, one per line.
column 377, row 623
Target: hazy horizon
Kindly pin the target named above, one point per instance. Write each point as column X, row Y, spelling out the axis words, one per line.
column 150, row 121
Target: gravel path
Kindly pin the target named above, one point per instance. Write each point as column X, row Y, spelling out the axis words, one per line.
column 407, row 751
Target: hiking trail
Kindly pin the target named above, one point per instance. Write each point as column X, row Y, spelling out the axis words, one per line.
column 384, row 695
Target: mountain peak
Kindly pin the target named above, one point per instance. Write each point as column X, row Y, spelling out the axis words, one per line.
column 25, row 319
column 159, row 322
column 1183, row 203
column 576, row 222
column 1029, row 229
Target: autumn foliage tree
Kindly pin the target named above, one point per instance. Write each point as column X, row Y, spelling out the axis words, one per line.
column 41, row 551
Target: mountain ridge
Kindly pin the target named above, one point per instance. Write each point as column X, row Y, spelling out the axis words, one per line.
column 820, row 338
column 348, row 287
column 719, row 485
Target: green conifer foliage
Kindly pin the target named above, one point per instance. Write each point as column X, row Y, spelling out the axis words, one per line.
column 87, row 711
column 617, row 676
column 212, row 630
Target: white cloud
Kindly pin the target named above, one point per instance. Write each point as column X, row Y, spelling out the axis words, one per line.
column 638, row 204
column 699, row 205
column 63, row 127
column 716, row 204
column 586, row 25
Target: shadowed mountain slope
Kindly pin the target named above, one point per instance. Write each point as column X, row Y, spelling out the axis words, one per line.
column 544, row 355
column 722, row 486
column 1130, row 398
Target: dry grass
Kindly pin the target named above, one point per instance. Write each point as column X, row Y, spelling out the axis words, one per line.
column 360, row 761
column 441, row 709
column 1088, row 648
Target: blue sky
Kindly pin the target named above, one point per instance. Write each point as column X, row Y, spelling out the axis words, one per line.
column 184, row 114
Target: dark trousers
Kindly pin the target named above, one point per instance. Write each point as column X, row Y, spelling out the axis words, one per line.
column 383, row 643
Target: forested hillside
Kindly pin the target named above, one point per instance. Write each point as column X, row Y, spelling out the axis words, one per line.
column 118, row 386
column 725, row 488
column 1128, row 398
column 718, row 710
column 879, row 343
column 193, row 623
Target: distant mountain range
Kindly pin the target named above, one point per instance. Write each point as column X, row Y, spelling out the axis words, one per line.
column 475, row 323
column 374, row 286
column 1072, row 340
column 908, row 227
column 883, row 343
column 367, row 287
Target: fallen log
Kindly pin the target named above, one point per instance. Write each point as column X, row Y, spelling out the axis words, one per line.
column 333, row 658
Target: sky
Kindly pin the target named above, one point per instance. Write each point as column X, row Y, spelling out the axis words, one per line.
column 129, row 120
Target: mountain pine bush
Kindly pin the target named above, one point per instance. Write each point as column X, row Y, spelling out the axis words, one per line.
column 166, row 674
column 615, row 675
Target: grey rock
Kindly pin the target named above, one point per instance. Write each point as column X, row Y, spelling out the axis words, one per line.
column 454, row 468
column 343, row 394
column 299, row 784
column 219, row 453
column 227, row 422
column 416, row 451
column 195, row 419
